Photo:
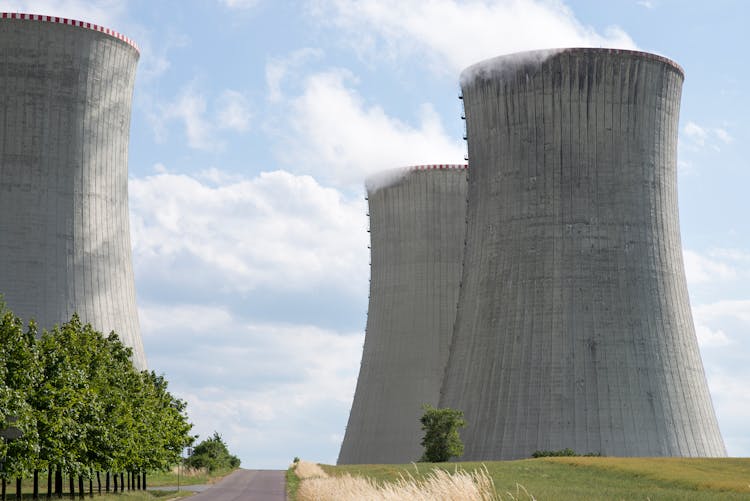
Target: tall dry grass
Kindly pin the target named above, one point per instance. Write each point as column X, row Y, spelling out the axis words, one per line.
column 308, row 470
column 438, row 485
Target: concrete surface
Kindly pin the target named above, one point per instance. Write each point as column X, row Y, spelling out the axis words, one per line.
column 247, row 485
column 65, row 95
column 417, row 223
column 573, row 326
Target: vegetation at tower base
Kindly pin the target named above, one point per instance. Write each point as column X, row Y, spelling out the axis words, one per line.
column 82, row 408
column 441, row 440
column 212, row 454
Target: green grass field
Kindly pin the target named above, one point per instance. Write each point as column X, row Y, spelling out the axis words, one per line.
column 595, row 478
column 186, row 478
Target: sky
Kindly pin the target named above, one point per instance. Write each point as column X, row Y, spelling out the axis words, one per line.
column 254, row 125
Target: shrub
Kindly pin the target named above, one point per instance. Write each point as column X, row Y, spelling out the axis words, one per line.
column 441, row 440
column 560, row 453
column 213, row 455
column 563, row 453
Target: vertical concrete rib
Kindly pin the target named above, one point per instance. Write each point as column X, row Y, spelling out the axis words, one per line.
column 573, row 326
column 417, row 224
column 65, row 102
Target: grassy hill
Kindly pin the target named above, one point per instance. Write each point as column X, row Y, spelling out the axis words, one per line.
column 589, row 478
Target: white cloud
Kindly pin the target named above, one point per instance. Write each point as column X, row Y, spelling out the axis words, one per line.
column 695, row 133
column 155, row 48
column 699, row 137
column 736, row 309
column 239, row 4
column 703, row 269
column 234, row 111
column 277, row 69
column 230, row 111
column 276, row 231
column 723, row 136
column 723, row 330
column 340, row 137
column 273, row 391
column 646, row 4
column 731, row 254
column 731, row 399
column 106, row 13
column 708, row 338
column 452, row 35
column 190, row 107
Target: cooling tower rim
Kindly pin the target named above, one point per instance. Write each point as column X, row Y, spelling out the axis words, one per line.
column 538, row 56
column 71, row 22
column 390, row 177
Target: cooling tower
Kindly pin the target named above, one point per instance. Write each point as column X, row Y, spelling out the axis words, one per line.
column 417, row 225
column 65, row 94
column 573, row 325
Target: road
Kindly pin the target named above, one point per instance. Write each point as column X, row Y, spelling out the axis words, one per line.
column 247, row 485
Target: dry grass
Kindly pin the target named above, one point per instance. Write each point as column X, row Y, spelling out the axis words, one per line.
column 438, row 484
column 187, row 471
column 307, row 470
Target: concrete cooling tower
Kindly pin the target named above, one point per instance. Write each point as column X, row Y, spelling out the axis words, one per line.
column 65, row 93
column 417, row 226
column 573, row 325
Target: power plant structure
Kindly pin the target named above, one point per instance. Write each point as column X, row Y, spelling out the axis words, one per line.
column 65, row 94
column 573, row 327
column 417, row 226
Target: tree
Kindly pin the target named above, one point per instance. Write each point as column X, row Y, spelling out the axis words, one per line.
column 441, row 440
column 212, row 454
column 19, row 371
column 78, row 406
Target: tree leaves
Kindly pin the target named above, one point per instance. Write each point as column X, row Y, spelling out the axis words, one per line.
column 81, row 404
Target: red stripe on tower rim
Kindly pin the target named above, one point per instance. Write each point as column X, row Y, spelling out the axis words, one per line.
column 71, row 22
column 438, row 167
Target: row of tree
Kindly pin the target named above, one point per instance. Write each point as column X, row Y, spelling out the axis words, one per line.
column 81, row 408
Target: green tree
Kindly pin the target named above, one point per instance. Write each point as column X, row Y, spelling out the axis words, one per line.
column 82, row 406
column 212, row 454
column 441, row 440
column 19, row 371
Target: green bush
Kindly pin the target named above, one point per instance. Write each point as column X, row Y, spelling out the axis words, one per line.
column 213, row 455
column 562, row 453
column 441, row 440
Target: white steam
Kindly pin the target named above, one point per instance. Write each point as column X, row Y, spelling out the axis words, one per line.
column 386, row 178
column 509, row 63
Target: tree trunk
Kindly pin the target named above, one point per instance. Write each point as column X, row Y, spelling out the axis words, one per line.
column 115, row 481
column 49, row 481
column 144, row 480
column 18, row 488
column 127, row 476
column 106, row 482
column 58, row 483
column 2, row 494
column 122, row 481
column 72, row 484
column 81, row 492
column 98, row 483
column 91, row 484
column 138, row 476
column 35, row 493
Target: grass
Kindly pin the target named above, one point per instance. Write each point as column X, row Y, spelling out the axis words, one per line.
column 292, row 484
column 585, row 478
column 187, row 477
column 311, row 483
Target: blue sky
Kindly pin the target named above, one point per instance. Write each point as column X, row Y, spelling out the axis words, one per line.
column 254, row 124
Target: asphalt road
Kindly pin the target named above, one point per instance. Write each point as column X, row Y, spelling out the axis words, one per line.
column 247, row 485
